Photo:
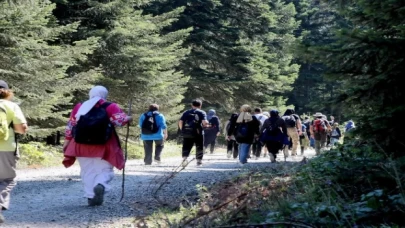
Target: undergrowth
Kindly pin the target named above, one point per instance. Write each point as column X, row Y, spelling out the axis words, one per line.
column 351, row 186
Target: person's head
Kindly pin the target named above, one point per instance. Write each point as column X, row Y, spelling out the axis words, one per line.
column 258, row 110
column 336, row 124
column 274, row 113
column 212, row 112
column 5, row 92
column 98, row 91
column 153, row 108
column 266, row 114
column 197, row 103
column 332, row 117
column 289, row 111
column 318, row 115
column 245, row 108
column 233, row 116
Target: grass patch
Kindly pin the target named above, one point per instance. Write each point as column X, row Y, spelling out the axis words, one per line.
column 351, row 186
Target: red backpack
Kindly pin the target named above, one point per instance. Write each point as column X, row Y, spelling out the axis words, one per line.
column 319, row 126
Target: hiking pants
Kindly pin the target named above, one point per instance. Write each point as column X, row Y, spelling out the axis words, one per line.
column 320, row 143
column 233, row 148
column 257, row 148
column 210, row 139
column 293, row 134
column 94, row 171
column 274, row 147
column 188, row 144
column 8, row 161
column 244, row 149
column 148, row 147
column 304, row 142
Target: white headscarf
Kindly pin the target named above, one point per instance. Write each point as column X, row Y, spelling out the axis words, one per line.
column 96, row 93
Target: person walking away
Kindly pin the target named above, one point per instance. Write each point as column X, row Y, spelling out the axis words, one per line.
column 304, row 141
column 90, row 138
column 211, row 131
column 191, row 125
column 331, row 122
column 274, row 133
column 319, row 129
column 265, row 151
column 335, row 134
column 257, row 145
column 232, row 145
column 294, row 129
column 153, row 129
column 245, row 129
column 12, row 121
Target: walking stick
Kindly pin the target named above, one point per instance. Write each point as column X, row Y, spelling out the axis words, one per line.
column 126, row 153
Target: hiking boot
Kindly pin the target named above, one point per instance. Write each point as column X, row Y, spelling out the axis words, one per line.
column 229, row 154
column 185, row 162
column 199, row 162
column 272, row 158
column 90, row 202
column 98, row 195
column 157, row 162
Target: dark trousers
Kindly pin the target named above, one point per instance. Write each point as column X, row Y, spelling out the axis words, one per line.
column 148, row 147
column 257, row 148
column 210, row 140
column 233, row 147
column 274, row 147
column 188, row 144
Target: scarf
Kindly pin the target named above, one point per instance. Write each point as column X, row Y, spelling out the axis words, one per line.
column 244, row 116
column 96, row 93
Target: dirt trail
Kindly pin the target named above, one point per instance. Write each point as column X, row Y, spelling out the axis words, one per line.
column 53, row 197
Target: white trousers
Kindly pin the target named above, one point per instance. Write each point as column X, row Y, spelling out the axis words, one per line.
column 94, row 171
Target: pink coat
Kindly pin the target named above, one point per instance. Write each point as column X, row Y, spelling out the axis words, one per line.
column 111, row 151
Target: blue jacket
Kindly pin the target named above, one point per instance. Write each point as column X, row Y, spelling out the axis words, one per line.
column 161, row 123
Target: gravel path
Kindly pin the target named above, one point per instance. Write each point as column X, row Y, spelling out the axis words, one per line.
column 53, row 197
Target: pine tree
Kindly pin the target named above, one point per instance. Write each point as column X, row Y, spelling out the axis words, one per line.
column 34, row 62
column 368, row 58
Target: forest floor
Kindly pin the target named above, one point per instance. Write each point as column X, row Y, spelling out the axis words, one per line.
column 53, row 197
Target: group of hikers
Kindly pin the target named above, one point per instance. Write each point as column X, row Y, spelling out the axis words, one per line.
column 91, row 139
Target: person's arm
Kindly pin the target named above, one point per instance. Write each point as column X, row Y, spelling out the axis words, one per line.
column 117, row 116
column 163, row 125
column 232, row 125
column 299, row 126
column 181, row 121
column 20, row 125
column 204, row 120
column 218, row 126
column 69, row 127
column 311, row 130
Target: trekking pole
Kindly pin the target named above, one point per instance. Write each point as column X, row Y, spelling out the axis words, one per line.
column 126, row 153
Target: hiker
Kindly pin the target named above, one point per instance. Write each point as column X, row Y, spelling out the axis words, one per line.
column 191, row 125
column 294, row 129
column 153, row 129
column 211, row 131
column 319, row 129
column 12, row 121
column 349, row 126
column 274, row 134
column 90, row 138
column 331, row 122
column 232, row 145
column 304, row 141
column 245, row 129
column 335, row 134
column 257, row 145
column 265, row 151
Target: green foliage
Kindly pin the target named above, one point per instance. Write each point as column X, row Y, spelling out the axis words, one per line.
column 37, row 154
column 368, row 59
column 34, row 61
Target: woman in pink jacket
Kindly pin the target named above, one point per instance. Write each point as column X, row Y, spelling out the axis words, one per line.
column 96, row 160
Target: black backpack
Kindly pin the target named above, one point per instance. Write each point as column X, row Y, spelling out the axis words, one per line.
column 289, row 121
column 95, row 127
column 242, row 130
column 272, row 129
column 149, row 125
column 190, row 125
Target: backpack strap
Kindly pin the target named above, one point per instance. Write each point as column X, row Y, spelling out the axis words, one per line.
column 105, row 105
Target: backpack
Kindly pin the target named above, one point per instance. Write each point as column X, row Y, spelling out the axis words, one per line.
column 149, row 125
column 289, row 121
column 95, row 127
column 319, row 126
column 4, row 125
column 190, row 125
column 272, row 129
column 241, row 131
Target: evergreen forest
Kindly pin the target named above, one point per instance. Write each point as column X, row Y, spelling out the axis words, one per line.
column 340, row 57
